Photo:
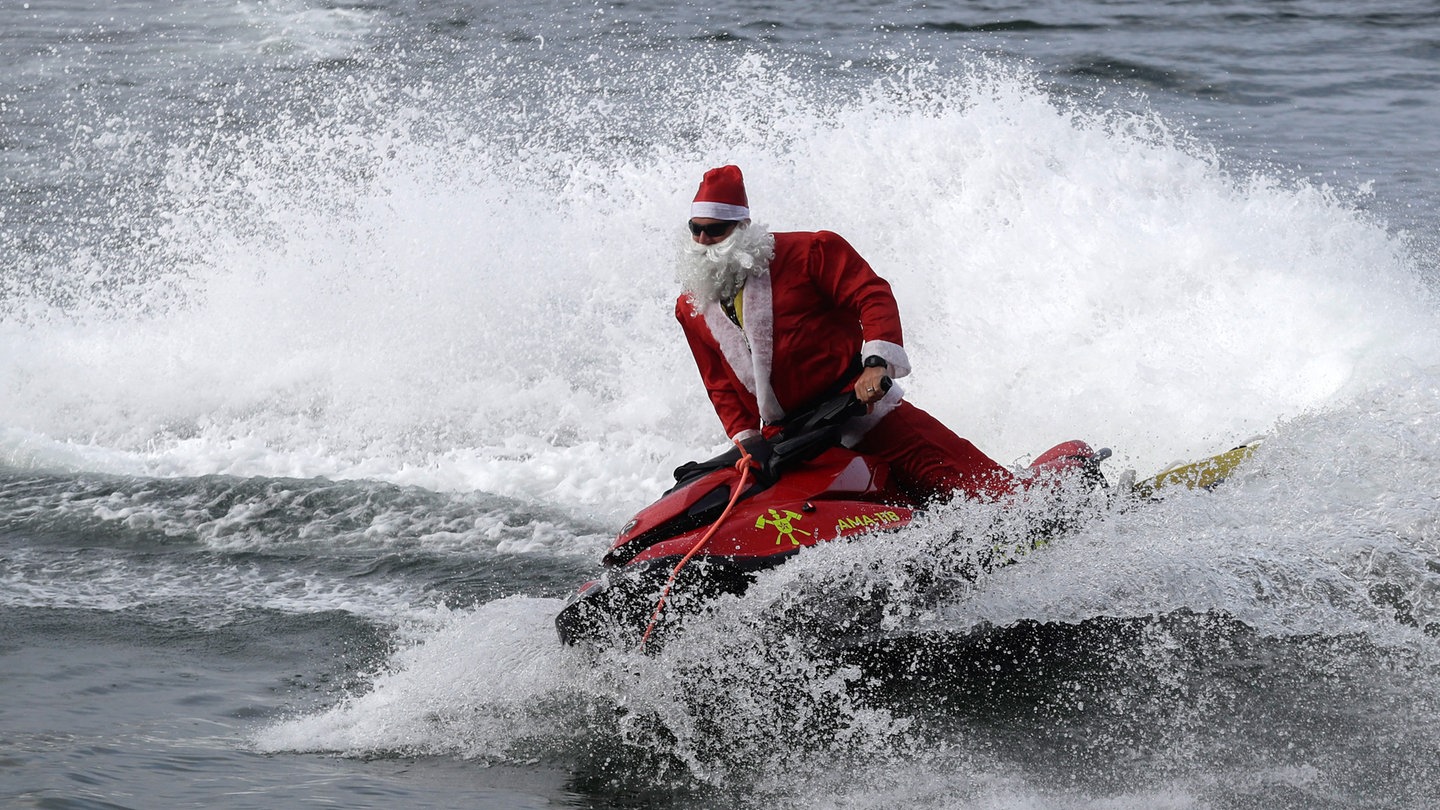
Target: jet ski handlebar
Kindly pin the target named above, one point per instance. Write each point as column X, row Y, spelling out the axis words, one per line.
column 803, row 435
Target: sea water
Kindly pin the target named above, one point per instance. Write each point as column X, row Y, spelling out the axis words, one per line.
column 336, row 343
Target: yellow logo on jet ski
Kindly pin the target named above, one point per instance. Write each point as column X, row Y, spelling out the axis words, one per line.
column 784, row 523
column 871, row 520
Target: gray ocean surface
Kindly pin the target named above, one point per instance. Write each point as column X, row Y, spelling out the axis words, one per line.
column 335, row 346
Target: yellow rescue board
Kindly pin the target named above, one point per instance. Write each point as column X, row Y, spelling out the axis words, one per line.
column 1199, row 475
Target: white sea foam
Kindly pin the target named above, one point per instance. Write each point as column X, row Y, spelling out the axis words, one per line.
column 469, row 688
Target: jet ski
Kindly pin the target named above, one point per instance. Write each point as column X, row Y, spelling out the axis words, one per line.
column 751, row 509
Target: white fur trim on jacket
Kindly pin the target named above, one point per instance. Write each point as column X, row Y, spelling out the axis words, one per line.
column 892, row 353
column 760, row 328
column 732, row 342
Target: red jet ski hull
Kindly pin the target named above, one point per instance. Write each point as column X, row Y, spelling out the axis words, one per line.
column 837, row 493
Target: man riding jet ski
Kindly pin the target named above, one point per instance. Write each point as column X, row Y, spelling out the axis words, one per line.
column 797, row 341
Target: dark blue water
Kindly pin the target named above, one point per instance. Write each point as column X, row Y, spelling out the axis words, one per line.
column 335, row 345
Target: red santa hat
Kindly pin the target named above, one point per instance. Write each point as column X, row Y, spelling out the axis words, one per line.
column 721, row 195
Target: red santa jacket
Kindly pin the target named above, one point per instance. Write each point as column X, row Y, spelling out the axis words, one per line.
column 819, row 306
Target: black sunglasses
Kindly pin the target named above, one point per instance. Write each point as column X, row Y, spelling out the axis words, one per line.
column 714, row 229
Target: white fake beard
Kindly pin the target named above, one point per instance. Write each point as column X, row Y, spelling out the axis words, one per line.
column 717, row 272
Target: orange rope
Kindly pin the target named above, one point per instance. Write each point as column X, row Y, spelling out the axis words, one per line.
column 743, row 465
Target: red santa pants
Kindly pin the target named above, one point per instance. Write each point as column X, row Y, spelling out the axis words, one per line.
column 930, row 462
